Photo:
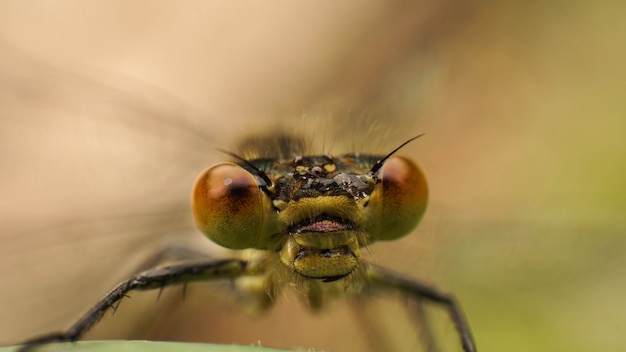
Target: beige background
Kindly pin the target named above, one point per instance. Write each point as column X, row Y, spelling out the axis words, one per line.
column 110, row 110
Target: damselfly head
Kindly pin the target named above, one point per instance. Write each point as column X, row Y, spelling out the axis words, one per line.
column 318, row 211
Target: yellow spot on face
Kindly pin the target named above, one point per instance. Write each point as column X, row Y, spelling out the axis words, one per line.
column 330, row 167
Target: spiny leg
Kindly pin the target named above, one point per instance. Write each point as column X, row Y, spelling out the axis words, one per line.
column 159, row 278
column 385, row 279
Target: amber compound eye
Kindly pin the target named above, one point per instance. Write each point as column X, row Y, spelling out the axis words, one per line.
column 399, row 201
column 228, row 206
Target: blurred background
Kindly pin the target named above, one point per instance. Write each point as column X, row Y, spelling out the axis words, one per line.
column 109, row 110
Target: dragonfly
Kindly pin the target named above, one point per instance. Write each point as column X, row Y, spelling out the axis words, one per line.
column 307, row 218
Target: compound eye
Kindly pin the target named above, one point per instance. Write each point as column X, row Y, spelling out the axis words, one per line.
column 227, row 205
column 399, row 200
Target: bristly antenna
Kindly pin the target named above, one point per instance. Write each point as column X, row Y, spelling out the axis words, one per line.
column 269, row 184
column 380, row 162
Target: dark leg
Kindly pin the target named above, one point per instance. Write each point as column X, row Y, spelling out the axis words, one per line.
column 152, row 279
column 384, row 279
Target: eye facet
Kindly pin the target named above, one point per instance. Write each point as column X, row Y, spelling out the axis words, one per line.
column 228, row 206
column 399, row 200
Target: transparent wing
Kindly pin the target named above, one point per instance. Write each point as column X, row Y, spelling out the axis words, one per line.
column 91, row 173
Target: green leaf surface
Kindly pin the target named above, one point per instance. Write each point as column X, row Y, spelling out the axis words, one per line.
column 140, row 346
